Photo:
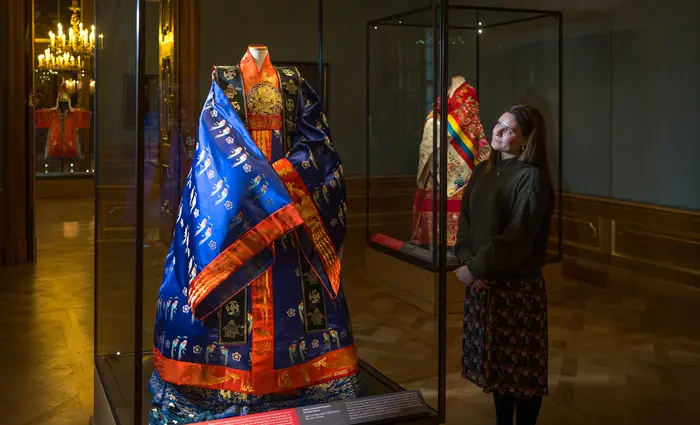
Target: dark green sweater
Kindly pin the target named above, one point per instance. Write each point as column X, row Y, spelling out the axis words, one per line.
column 504, row 221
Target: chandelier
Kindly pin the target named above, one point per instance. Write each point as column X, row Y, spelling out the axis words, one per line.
column 69, row 54
column 72, row 86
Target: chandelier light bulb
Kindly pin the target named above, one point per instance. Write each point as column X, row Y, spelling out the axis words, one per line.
column 70, row 54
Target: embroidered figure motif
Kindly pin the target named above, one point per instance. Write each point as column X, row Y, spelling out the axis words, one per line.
column 290, row 86
column 293, row 352
column 230, row 74
column 233, row 308
column 234, row 153
column 314, row 297
column 264, row 99
column 231, row 92
column 240, row 160
column 232, row 330
column 316, row 317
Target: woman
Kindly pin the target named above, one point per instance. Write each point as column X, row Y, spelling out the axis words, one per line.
column 502, row 247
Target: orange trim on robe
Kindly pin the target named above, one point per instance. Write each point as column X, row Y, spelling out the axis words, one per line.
column 312, row 221
column 252, row 75
column 334, row 365
column 263, row 343
column 263, row 107
column 263, row 140
column 241, row 251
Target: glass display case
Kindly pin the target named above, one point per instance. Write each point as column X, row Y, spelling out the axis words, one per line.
column 65, row 42
column 494, row 58
column 224, row 208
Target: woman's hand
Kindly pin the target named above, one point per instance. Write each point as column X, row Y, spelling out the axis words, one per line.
column 464, row 275
column 480, row 284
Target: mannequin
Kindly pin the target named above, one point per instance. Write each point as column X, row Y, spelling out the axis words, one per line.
column 467, row 147
column 259, row 53
column 63, row 105
column 457, row 81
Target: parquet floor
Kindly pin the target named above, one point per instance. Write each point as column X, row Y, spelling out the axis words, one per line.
column 627, row 355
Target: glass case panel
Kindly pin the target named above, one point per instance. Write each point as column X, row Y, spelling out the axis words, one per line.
column 520, row 63
column 402, row 90
column 64, row 46
column 405, row 148
column 239, row 296
column 497, row 58
column 115, row 129
column 283, row 340
column 228, row 242
column 397, row 289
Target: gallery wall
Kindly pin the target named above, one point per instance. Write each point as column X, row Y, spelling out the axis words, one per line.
column 629, row 129
column 655, row 104
column 227, row 28
column 631, row 78
column 398, row 110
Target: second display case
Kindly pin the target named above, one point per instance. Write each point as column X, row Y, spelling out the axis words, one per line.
column 492, row 58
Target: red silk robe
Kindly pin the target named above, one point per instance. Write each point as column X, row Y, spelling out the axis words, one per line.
column 467, row 146
column 62, row 140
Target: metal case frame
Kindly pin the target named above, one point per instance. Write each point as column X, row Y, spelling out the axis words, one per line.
column 440, row 27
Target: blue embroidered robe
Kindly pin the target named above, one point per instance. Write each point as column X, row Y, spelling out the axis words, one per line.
column 250, row 314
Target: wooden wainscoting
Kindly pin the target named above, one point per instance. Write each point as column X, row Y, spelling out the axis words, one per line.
column 391, row 201
column 658, row 242
column 599, row 235
column 64, row 187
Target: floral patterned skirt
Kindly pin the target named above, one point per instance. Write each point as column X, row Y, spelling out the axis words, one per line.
column 505, row 338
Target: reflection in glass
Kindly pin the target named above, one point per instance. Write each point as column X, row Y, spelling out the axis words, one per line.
column 215, row 333
column 496, row 59
column 483, row 78
column 113, row 127
column 403, row 86
column 63, row 90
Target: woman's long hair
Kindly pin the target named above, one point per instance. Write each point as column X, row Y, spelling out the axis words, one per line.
column 532, row 128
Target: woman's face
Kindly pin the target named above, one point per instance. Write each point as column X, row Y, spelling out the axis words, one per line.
column 507, row 136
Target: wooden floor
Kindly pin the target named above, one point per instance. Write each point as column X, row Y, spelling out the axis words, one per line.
column 627, row 354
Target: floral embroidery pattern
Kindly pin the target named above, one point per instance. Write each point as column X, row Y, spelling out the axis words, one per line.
column 505, row 338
